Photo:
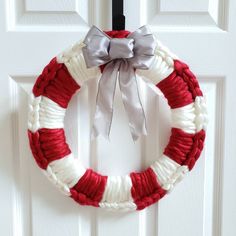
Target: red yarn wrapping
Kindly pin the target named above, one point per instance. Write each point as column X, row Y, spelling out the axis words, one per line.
column 56, row 83
column 184, row 71
column 180, row 87
column 185, row 148
column 145, row 188
column 89, row 189
column 117, row 33
column 48, row 145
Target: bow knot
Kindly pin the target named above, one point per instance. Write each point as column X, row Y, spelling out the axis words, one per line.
column 122, row 55
column 121, row 48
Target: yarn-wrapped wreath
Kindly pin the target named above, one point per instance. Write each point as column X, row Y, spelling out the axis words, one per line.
column 62, row 77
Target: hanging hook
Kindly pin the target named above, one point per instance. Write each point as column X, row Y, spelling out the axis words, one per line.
column 118, row 18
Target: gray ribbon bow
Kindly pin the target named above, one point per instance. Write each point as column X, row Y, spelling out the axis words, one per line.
column 121, row 56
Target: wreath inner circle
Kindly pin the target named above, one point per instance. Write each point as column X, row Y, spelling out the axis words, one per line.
column 66, row 74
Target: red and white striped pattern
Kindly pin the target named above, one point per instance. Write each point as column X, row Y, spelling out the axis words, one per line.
column 61, row 78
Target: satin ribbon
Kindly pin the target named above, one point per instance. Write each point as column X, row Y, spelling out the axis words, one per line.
column 121, row 56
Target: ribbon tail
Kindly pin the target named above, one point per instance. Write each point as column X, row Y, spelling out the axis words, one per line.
column 105, row 98
column 131, row 100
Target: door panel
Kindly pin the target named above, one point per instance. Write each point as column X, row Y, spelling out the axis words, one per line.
column 201, row 33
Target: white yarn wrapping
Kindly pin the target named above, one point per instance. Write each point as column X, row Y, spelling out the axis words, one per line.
column 33, row 113
column 184, row 118
column 59, row 184
column 192, row 117
column 168, row 172
column 74, row 60
column 44, row 113
column 117, row 194
column 201, row 119
column 66, row 172
column 121, row 206
column 162, row 66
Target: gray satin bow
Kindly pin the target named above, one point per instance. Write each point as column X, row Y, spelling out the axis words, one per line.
column 121, row 56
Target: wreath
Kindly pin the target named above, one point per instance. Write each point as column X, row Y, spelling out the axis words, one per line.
column 112, row 56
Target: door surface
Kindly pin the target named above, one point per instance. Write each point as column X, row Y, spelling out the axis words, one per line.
column 203, row 34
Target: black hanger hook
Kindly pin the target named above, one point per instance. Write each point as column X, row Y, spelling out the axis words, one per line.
column 118, row 18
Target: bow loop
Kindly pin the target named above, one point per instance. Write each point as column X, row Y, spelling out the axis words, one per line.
column 121, row 56
column 96, row 51
column 144, row 47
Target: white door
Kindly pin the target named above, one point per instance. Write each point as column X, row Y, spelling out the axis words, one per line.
column 203, row 34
